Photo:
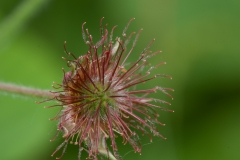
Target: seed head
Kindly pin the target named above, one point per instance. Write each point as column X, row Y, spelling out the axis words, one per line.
column 99, row 100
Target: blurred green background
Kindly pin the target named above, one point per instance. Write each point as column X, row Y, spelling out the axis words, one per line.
column 200, row 41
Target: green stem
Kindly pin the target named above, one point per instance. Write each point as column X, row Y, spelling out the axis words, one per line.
column 16, row 21
column 102, row 149
column 25, row 90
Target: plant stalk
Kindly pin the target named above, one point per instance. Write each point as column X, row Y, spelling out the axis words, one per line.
column 12, row 88
column 18, row 19
column 102, row 149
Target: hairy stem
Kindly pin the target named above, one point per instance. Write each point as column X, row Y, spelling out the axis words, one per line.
column 102, row 149
column 25, row 90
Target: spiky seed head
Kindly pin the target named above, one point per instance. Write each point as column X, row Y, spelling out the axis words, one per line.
column 99, row 99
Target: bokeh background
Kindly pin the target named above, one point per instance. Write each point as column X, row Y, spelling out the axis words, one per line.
column 200, row 41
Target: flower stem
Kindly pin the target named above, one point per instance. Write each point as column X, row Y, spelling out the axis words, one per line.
column 18, row 19
column 102, row 149
column 25, row 90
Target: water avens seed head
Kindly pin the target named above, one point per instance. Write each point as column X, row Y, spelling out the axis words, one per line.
column 99, row 99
